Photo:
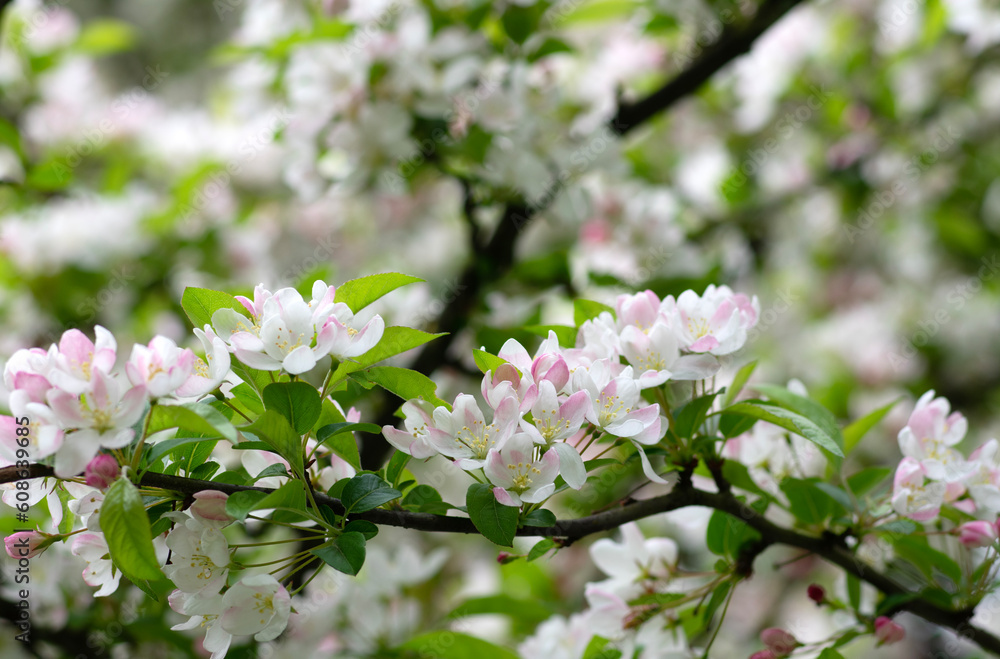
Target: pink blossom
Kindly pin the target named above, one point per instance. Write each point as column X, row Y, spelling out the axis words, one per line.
column 161, row 366
column 210, row 508
column 912, row 496
column 102, row 471
column 26, row 544
column 888, row 632
column 517, row 476
column 779, row 641
column 977, row 534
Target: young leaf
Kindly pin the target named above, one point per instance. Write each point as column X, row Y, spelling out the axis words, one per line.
column 276, row 432
column 788, row 420
column 291, row 495
column 405, row 383
column 447, row 644
column 200, row 303
column 296, row 401
column 541, row 548
column 126, row 528
column 807, row 407
column 338, row 436
column 359, row 293
column 394, row 470
column 809, row 504
column 862, row 482
column 856, row 430
column 200, row 418
column 395, row 340
column 540, row 517
column 565, row 334
column 689, row 417
column 362, row 526
column 346, row 554
column 491, row 518
column 584, row 310
column 487, row 362
column 366, row 491
column 739, row 381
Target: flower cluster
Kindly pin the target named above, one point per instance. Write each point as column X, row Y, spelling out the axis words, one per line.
column 546, row 410
column 284, row 332
column 77, row 402
column 933, row 472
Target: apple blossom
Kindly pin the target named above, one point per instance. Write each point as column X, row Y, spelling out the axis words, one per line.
column 635, row 558
column 208, row 373
column 161, row 366
column 977, row 534
column 27, row 544
column 342, row 337
column 888, row 632
column 257, row 604
column 929, row 436
column 912, row 496
column 102, row 471
column 507, row 381
column 204, row 611
column 209, row 508
column 102, row 418
column 100, row 571
column 78, row 359
column 518, row 476
column 416, row 439
column 779, row 641
column 199, row 561
column 715, row 322
column 465, row 435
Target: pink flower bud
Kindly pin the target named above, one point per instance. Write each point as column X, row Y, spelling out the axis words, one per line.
column 888, row 632
column 763, row 654
column 977, row 534
column 778, row 641
column 102, row 471
column 26, row 544
column 210, row 505
column 816, row 593
column 503, row 558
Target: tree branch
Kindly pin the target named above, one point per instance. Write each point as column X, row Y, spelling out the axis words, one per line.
column 683, row 495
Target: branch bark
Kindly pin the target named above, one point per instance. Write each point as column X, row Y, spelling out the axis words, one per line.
column 683, row 496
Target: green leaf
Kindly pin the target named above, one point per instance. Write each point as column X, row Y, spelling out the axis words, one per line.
column 916, row 550
column 549, row 46
column 394, row 470
column 405, row 383
column 656, row 598
column 830, row 653
column 584, row 310
column 296, row 401
column 598, row 648
column 809, row 504
column 126, row 528
column 727, row 534
column 718, row 597
column 105, row 36
column 739, row 381
column 487, row 362
column 200, row 303
column 856, row 430
column 737, row 475
column 275, row 431
column 841, row 497
column 291, row 495
column 338, row 436
column 541, row 548
column 497, row 522
column 596, row 11
column 362, row 526
column 540, row 517
column 788, row 420
column 807, row 407
column 200, row 418
column 565, row 335
column 248, row 397
column 854, row 592
column 865, row 480
column 520, row 22
column 530, row 610
column 423, row 498
column 689, row 417
column 359, row 293
column 366, row 491
column 454, row 645
column 346, row 554
column 395, row 340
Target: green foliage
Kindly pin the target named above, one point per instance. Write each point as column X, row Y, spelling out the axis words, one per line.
column 366, row 491
column 346, row 553
column 127, row 531
column 497, row 522
column 454, row 645
column 359, row 293
column 788, row 420
column 200, row 303
column 275, row 431
column 199, row 418
column 405, row 383
column 298, row 402
column 584, row 310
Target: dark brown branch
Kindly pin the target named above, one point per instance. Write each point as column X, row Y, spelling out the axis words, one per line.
column 684, row 495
